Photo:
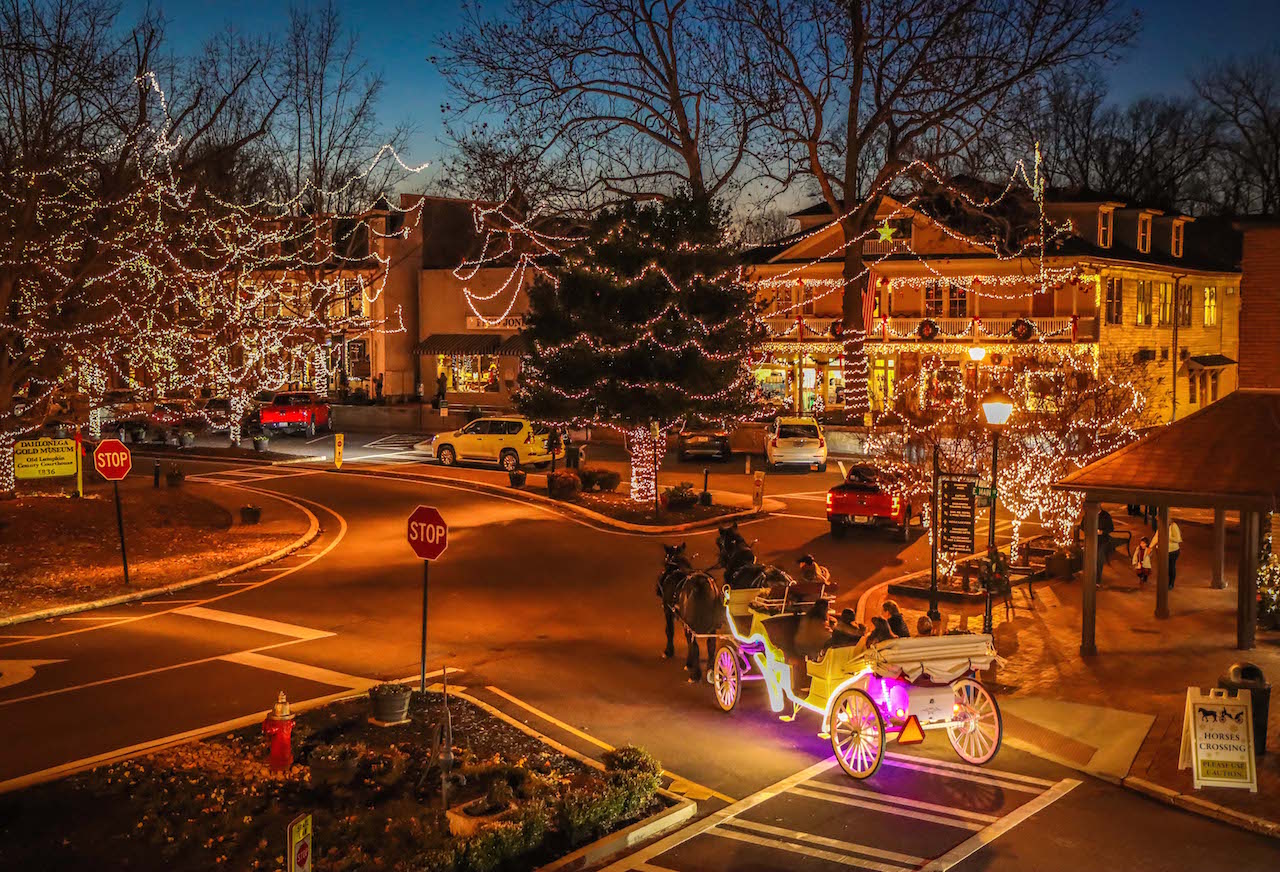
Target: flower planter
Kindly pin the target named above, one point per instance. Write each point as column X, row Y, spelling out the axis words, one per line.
column 250, row 514
column 174, row 479
column 188, row 440
column 390, row 703
column 334, row 771
column 261, row 443
column 518, row 477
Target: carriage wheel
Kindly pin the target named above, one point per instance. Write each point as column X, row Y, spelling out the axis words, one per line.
column 857, row 733
column 727, row 676
column 976, row 737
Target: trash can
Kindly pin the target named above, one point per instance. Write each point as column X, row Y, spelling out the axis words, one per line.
column 1248, row 676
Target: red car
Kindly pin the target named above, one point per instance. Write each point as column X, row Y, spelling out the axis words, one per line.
column 860, row 501
column 295, row 412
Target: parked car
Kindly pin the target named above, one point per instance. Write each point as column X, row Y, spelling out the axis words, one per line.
column 295, row 412
column 796, row 442
column 168, row 416
column 509, row 441
column 861, row 501
column 214, row 414
column 702, row 439
column 123, row 405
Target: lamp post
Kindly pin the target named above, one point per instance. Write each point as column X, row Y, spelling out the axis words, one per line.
column 996, row 409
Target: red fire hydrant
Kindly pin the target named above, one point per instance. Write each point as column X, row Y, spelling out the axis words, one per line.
column 278, row 727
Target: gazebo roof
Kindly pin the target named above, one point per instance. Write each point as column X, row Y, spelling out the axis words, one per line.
column 1224, row 455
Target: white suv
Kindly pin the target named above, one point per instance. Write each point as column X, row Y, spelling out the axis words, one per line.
column 796, row 442
column 510, row 442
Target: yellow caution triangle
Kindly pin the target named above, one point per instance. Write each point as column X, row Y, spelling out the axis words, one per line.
column 911, row 733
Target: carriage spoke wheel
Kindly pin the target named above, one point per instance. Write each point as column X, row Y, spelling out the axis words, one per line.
column 978, row 727
column 857, row 733
column 727, row 677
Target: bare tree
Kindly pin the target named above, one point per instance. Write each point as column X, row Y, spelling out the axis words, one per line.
column 858, row 89
column 639, row 93
column 1244, row 96
column 764, row 226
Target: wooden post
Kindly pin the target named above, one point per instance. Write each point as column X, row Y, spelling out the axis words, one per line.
column 1247, row 582
column 1162, row 562
column 1089, row 590
column 1219, row 559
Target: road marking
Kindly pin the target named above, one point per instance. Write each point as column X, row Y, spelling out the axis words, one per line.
column 649, row 867
column 967, row 767
column 800, row 494
column 100, row 618
column 17, row 671
column 885, row 808
column 691, row 787
column 299, row 670
column 806, row 850
column 852, row 847
column 821, row 518
column 644, row 855
column 907, row 802
column 961, row 851
column 317, row 439
column 266, row 625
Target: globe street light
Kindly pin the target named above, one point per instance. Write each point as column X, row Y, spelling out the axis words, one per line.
column 977, row 353
column 996, row 409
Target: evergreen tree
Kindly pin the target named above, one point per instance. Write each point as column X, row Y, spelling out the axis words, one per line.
column 645, row 320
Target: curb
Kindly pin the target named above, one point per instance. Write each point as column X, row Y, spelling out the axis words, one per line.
column 313, row 532
column 1202, row 807
column 248, row 461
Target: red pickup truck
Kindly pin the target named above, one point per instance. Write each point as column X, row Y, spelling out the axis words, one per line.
column 295, row 412
column 860, row 501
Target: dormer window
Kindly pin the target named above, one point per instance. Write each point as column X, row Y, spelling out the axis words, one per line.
column 1104, row 228
column 1175, row 246
column 1144, row 233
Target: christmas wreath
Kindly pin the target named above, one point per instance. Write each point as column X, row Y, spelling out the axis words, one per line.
column 1022, row 329
column 928, row 329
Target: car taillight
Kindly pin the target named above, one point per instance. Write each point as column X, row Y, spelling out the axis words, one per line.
column 822, row 443
column 528, row 437
column 830, row 499
column 774, row 442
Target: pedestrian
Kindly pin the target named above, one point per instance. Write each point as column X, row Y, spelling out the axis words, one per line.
column 893, row 617
column 1106, row 526
column 1142, row 560
column 1175, row 548
column 440, row 389
column 377, row 387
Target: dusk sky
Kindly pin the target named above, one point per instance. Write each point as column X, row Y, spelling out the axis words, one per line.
column 1177, row 37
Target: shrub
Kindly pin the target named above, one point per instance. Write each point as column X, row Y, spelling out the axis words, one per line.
column 498, row 846
column 607, row 479
column 563, row 484
column 631, row 779
column 682, row 496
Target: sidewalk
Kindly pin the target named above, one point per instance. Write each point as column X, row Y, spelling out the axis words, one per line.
column 1090, row 713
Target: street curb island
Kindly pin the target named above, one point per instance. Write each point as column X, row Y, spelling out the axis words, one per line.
column 313, row 532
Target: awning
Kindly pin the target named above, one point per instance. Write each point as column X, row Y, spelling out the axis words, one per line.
column 513, row 346
column 458, row 343
column 1209, row 361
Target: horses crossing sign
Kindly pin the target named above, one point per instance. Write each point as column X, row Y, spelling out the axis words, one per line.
column 1217, row 739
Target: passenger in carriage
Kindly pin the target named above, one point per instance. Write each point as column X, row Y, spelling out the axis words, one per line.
column 893, row 617
column 880, row 632
column 812, row 570
column 848, row 631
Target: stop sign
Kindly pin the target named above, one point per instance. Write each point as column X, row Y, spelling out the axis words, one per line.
column 111, row 459
column 428, row 533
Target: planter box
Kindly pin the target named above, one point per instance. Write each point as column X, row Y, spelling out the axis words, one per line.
column 391, row 708
column 250, row 514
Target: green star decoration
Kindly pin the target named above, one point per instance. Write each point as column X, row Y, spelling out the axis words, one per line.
column 886, row 232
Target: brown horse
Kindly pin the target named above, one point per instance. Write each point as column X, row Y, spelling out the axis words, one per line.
column 694, row 597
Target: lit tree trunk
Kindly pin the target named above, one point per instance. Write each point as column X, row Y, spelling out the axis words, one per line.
column 6, row 463
column 857, row 369
column 646, row 456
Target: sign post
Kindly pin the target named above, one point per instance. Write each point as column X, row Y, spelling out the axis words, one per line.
column 112, row 461
column 757, row 490
column 337, row 450
column 299, row 853
column 428, row 536
column 1217, row 739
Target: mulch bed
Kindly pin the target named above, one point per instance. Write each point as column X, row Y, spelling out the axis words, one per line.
column 621, row 508
column 55, row 549
column 215, row 804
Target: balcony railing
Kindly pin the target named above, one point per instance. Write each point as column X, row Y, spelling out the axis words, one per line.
column 788, row 327
column 1053, row 328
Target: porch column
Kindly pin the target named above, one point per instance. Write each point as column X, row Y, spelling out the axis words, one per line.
column 1247, row 583
column 1219, row 557
column 1162, row 562
column 1089, row 588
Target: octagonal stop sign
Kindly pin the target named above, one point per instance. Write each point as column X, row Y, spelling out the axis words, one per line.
column 112, row 460
column 428, row 533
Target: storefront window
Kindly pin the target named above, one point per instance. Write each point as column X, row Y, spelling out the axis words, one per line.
column 467, row 374
column 773, row 383
column 882, row 378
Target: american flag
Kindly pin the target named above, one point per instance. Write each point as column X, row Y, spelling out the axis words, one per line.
column 868, row 304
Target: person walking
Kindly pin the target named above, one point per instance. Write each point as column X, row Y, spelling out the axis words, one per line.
column 1175, row 548
column 1142, row 560
column 1106, row 526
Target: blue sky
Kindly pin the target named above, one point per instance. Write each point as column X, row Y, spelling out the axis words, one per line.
column 1177, row 37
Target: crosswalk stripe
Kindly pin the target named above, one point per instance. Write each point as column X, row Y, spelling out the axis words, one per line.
column 852, row 847
column 885, row 808
column 266, row 625
column 967, row 767
column 317, row 674
column 843, row 859
column 894, row 799
column 988, row 835
column 966, row 776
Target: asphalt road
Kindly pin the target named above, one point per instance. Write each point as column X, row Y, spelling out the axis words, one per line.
column 555, row 622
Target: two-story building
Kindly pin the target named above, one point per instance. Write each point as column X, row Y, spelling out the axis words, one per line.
column 1133, row 287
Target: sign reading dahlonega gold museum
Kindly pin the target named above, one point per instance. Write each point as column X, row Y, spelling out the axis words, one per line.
column 44, row 458
column 1217, row 739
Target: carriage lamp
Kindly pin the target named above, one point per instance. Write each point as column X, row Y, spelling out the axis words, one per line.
column 996, row 408
column 977, row 353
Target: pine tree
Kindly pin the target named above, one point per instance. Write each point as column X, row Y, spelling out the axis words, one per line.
column 645, row 321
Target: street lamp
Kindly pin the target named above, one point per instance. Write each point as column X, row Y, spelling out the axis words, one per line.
column 996, row 409
column 977, row 353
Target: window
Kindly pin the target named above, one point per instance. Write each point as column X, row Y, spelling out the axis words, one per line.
column 1144, row 303
column 797, row 431
column 933, row 294
column 1104, row 228
column 1210, row 307
column 1191, row 387
column 1213, row 386
column 805, row 301
column 1144, row 233
column 1184, row 305
column 957, row 303
column 1166, row 304
column 1176, row 243
column 1115, row 301
column 882, row 378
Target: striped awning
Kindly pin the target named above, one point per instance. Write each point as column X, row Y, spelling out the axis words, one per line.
column 513, row 346
column 458, row 343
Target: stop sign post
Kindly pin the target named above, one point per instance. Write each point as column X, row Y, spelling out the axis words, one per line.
column 112, row 461
column 428, row 536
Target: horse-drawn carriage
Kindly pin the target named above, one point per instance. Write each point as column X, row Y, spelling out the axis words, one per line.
column 864, row 693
